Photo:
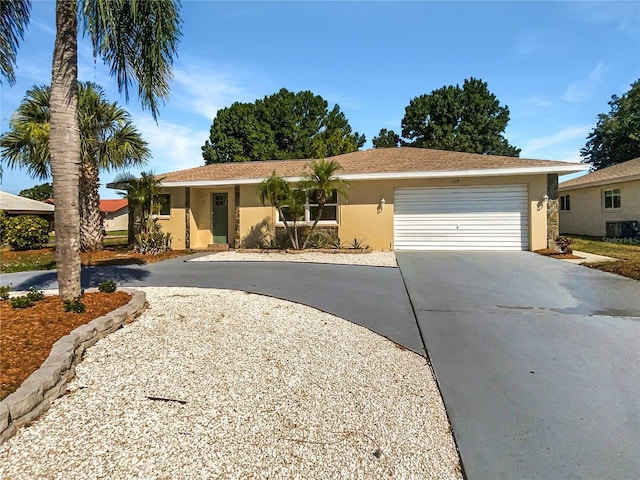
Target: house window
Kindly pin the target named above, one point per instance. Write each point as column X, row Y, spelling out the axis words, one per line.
column 612, row 198
column 329, row 212
column 165, row 204
column 565, row 203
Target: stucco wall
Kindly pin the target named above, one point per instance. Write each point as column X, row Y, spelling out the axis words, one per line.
column 174, row 222
column 359, row 216
column 588, row 215
column 117, row 221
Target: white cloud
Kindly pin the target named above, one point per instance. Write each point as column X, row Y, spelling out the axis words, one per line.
column 205, row 91
column 565, row 144
column 173, row 147
column 581, row 89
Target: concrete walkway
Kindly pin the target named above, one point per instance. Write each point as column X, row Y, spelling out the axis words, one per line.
column 588, row 258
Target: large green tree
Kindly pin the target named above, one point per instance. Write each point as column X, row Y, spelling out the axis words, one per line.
column 616, row 137
column 40, row 192
column 462, row 119
column 284, row 125
column 386, row 139
column 137, row 39
column 108, row 141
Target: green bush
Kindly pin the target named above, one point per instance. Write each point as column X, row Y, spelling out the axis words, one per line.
column 152, row 243
column 3, row 219
column 26, row 232
column 4, row 292
column 35, row 295
column 75, row 306
column 107, row 287
column 21, row 302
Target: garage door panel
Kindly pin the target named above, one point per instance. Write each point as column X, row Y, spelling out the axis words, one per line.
column 461, row 218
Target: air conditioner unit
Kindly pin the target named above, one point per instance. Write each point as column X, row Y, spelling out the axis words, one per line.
column 624, row 229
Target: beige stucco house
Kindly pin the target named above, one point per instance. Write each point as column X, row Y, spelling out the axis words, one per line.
column 115, row 214
column 399, row 199
column 602, row 203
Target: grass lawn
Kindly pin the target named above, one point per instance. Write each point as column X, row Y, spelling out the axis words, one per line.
column 115, row 252
column 628, row 255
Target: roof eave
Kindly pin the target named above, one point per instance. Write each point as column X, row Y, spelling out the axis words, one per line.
column 599, row 183
column 490, row 172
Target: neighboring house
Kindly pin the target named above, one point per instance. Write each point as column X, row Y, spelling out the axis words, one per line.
column 399, row 198
column 115, row 214
column 602, row 203
column 13, row 205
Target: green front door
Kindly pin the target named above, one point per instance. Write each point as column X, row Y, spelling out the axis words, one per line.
column 220, row 217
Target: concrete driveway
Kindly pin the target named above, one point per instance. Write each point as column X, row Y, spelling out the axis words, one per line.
column 538, row 362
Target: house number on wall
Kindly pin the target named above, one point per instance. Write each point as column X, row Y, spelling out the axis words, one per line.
column 455, row 180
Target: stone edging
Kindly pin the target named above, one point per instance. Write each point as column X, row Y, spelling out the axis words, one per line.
column 42, row 387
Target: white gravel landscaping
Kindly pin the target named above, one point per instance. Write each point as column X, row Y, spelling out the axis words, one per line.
column 265, row 389
column 372, row 259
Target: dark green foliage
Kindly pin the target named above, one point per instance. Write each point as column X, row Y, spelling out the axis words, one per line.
column 40, row 192
column 26, row 232
column 22, row 301
column 4, row 292
column 284, row 125
column 107, row 287
column 386, row 139
column 616, row 137
column 467, row 119
column 3, row 220
column 75, row 306
column 358, row 243
column 35, row 295
column 152, row 241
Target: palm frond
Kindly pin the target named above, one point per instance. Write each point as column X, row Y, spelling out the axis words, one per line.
column 14, row 18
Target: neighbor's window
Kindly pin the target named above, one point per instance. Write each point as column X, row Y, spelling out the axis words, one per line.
column 329, row 213
column 165, row 204
column 612, row 198
column 565, row 202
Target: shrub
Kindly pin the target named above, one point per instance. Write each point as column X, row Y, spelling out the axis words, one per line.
column 152, row 241
column 3, row 219
column 75, row 306
column 35, row 295
column 4, row 292
column 107, row 287
column 564, row 244
column 358, row 243
column 26, row 232
column 22, row 301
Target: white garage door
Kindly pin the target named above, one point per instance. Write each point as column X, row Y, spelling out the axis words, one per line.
column 491, row 217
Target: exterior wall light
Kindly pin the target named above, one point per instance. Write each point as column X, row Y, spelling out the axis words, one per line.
column 382, row 202
column 545, row 199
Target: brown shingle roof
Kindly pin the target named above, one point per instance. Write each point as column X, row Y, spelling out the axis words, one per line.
column 611, row 174
column 404, row 160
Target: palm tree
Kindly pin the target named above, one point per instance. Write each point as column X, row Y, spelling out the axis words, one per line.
column 280, row 195
column 143, row 198
column 108, row 141
column 319, row 182
column 138, row 39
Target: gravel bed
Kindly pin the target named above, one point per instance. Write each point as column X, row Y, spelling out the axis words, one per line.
column 271, row 389
column 372, row 259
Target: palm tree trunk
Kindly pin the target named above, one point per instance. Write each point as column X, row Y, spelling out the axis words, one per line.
column 313, row 227
column 64, row 147
column 294, row 242
column 90, row 221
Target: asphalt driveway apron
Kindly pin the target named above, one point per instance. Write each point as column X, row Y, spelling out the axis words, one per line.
column 538, row 362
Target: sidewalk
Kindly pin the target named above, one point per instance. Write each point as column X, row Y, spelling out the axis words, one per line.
column 589, row 258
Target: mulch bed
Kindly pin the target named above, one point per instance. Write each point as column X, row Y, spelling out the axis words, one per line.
column 547, row 252
column 27, row 334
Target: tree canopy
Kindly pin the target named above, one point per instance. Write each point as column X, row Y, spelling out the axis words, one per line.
column 386, row 139
column 616, row 137
column 467, row 119
column 284, row 125
column 40, row 192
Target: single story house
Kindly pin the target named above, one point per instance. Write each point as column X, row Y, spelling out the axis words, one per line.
column 115, row 214
column 603, row 203
column 13, row 205
column 399, row 198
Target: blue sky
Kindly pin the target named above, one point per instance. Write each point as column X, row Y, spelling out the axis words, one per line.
column 554, row 64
